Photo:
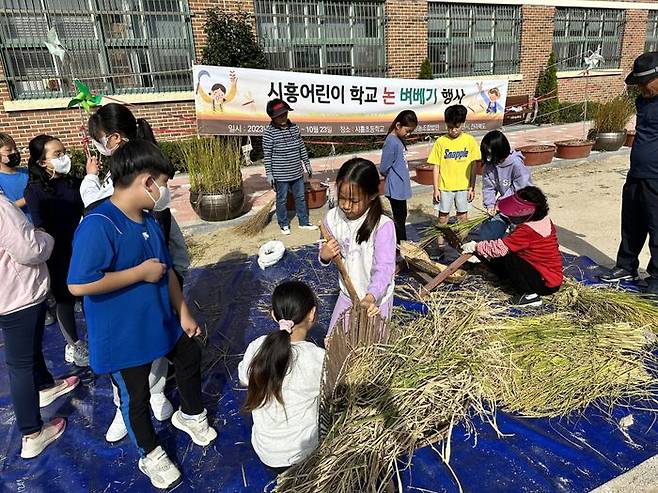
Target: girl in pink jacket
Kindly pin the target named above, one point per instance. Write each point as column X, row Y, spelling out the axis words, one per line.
column 23, row 254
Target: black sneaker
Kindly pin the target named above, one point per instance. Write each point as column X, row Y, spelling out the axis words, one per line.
column 652, row 287
column 531, row 299
column 618, row 274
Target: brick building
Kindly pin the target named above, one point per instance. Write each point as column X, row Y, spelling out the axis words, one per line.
column 139, row 51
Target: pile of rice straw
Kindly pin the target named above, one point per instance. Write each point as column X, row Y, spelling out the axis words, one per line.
column 466, row 357
column 453, row 233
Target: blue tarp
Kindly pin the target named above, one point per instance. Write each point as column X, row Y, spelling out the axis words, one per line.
column 231, row 299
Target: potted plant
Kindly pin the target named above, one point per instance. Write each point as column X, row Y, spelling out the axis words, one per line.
column 315, row 194
column 213, row 164
column 537, row 154
column 609, row 125
column 574, row 148
column 425, row 174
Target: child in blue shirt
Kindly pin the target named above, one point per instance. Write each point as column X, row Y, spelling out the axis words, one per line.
column 134, row 305
column 13, row 180
column 394, row 167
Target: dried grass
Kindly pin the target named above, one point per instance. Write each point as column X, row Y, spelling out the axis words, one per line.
column 257, row 223
column 455, row 233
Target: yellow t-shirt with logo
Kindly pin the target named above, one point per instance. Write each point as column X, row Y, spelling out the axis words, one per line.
column 454, row 157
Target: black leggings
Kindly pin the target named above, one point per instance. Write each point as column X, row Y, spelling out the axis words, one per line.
column 134, row 392
column 66, row 319
column 399, row 208
column 524, row 277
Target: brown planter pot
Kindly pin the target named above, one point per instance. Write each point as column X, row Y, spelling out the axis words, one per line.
column 573, row 149
column 382, row 185
column 479, row 167
column 537, row 154
column 424, row 174
column 630, row 138
column 315, row 194
column 219, row 206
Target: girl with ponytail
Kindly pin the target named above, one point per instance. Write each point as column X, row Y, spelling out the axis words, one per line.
column 282, row 372
column 364, row 237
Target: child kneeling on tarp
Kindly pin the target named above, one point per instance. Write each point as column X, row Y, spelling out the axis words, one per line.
column 530, row 256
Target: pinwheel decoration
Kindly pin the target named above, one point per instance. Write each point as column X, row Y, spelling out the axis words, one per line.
column 84, row 99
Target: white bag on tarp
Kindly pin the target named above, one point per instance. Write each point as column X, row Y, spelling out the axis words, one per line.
column 270, row 253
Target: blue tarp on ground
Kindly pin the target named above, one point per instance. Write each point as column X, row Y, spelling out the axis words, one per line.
column 232, row 301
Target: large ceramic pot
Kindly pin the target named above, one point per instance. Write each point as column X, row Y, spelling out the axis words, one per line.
column 217, row 206
column 609, row 141
column 573, row 149
column 315, row 194
column 537, row 154
column 630, row 138
column 424, row 174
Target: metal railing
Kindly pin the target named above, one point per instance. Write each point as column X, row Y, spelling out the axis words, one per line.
column 651, row 42
column 116, row 46
column 328, row 37
column 580, row 31
column 470, row 39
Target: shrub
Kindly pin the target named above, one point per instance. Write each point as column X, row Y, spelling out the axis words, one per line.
column 426, row 70
column 571, row 112
column 230, row 41
column 173, row 150
column 547, row 86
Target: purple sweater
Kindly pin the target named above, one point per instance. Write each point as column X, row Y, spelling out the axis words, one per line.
column 502, row 180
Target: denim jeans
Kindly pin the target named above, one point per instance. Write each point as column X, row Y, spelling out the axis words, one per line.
column 297, row 188
column 493, row 229
column 23, row 336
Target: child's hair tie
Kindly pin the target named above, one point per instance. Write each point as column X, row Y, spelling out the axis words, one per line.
column 286, row 325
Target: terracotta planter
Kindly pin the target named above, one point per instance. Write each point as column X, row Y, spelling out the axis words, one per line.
column 217, row 206
column 630, row 138
column 315, row 194
column 424, row 174
column 537, row 154
column 573, row 149
column 382, row 185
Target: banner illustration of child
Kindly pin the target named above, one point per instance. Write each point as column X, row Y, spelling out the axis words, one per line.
column 491, row 98
column 217, row 97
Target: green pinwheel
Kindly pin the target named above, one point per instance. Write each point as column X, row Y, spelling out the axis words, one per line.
column 84, row 99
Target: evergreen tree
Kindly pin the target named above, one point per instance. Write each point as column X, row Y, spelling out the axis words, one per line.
column 231, row 41
column 547, row 87
column 426, row 70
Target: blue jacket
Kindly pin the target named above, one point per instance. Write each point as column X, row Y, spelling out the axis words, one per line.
column 393, row 166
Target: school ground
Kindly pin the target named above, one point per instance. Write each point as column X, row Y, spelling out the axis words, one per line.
column 584, row 195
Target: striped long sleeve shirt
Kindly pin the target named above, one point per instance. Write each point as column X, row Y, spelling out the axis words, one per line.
column 284, row 152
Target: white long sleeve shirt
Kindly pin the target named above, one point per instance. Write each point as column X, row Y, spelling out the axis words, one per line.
column 282, row 436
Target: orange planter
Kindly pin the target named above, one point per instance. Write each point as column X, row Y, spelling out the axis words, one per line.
column 630, row 138
column 424, row 174
column 574, row 149
column 315, row 194
column 537, row 154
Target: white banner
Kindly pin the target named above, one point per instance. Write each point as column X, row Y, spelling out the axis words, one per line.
column 231, row 101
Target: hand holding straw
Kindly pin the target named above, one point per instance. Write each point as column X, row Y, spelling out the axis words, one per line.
column 341, row 268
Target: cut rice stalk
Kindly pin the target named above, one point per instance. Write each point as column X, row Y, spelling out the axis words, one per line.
column 257, row 222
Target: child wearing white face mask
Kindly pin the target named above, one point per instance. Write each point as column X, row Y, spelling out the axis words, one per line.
column 54, row 202
column 135, row 309
column 110, row 127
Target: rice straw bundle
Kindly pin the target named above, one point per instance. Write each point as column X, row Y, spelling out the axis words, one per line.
column 455, row 233
column 559, row 365
column 257, row 222
column 416, row 256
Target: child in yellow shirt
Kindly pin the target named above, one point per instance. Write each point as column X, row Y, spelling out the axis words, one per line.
column 454, row 156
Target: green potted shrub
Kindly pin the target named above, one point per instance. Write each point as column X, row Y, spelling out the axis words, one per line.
column 213, row 164
column 609, row 125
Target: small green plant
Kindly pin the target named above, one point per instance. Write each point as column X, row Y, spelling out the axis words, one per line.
column 614, row 115
column 547, row 88
column 172, row 149
column 231, row 41
column 426, row 70
column 213, row 164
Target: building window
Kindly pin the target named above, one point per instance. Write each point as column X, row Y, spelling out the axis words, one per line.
column 117, row 46
column 651, row 43
column 327, row 37
column 579, row 32
column 469, row 39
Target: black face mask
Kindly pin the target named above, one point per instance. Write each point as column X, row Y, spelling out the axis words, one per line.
column 14, row 159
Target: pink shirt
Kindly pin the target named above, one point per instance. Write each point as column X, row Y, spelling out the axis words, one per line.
column 23, row 254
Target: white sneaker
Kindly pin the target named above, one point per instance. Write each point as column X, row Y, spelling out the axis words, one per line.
column 285, row 230
column 198, row 428
column 117, row 430
column 33, row 446
column 162, row 408
column 78, row 307
column 160, row 470
column 311, row 227
column 78, row 354
column 61, row 387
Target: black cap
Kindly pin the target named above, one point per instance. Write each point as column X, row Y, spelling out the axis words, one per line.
column 277, row 107
column 645, row 69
